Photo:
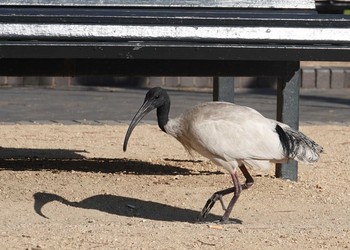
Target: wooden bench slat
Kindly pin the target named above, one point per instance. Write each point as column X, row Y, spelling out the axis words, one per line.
column 172, row 51
column 277, row 4
column 218, row 17
column 280, row 35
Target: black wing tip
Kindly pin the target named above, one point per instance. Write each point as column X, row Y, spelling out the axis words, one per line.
column 298, row 146
column 284, row 139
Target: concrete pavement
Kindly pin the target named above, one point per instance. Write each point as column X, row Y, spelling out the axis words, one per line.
column 109, row 105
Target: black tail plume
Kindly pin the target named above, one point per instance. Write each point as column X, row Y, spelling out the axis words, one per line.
column 298, row 146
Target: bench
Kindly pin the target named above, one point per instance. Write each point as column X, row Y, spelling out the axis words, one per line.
column 220, row 38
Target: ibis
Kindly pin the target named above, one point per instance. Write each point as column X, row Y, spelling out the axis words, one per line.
column 232, row 136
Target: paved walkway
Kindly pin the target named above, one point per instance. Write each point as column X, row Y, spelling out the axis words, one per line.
column 108, row 106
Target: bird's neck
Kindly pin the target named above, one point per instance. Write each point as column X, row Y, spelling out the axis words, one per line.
column 163, row 115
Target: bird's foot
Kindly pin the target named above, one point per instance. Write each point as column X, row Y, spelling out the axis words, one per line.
column 229, row 221
column 220, row 222
column 210, row 203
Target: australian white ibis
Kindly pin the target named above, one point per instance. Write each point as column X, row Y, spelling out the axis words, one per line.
column 231, row 136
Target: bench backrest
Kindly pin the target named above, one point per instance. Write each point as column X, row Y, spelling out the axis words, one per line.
column 261, row 4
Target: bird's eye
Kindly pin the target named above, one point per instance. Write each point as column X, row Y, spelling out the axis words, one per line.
column 156, row 97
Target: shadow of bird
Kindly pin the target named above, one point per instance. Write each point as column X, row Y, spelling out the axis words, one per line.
column 122, row 206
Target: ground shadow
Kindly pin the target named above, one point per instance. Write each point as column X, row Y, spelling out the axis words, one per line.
column 307, row 95
column 325, row 99
column 97, row 165
column 69, row 160
column 35, row 153
column 123, row 206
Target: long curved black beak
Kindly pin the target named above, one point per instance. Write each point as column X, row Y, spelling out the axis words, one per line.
column 144, row 110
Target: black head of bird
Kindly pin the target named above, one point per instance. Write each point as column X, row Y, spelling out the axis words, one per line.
column 156, row 98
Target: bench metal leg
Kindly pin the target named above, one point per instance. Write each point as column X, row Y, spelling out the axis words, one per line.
column 288, row 112
column 223, row 89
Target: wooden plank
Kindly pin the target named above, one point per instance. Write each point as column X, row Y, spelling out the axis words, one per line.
column 266, row 4
column 289, row 35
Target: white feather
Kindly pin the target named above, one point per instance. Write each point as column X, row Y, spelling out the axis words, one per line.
column 230, row 134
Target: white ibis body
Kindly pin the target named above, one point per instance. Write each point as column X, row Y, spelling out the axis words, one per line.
column 231, row 136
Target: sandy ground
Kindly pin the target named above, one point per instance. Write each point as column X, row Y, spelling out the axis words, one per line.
column 72, row 187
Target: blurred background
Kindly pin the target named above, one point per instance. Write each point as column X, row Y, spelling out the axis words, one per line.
column 320, row 75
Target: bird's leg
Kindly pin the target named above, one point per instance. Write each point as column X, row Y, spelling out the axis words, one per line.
column 218, row 195
column 237, row 191
column 214, row 198
column 249, row 181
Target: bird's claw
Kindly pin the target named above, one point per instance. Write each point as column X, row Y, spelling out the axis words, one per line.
column 229, row 221
column 222, row 203
column 220, row 222
column 210, row 203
